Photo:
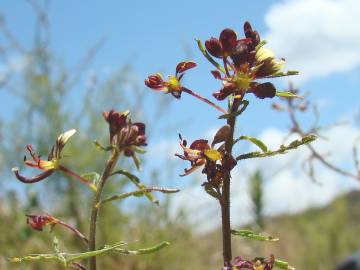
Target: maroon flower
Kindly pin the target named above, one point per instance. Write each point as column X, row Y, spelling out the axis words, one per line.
column 201, row 154
column 126, row 136
column 173, row 84
column 38, row 222
column 50, row 165
column 244, row 63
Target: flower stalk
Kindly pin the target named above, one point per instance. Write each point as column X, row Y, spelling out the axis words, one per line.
column 110, row 164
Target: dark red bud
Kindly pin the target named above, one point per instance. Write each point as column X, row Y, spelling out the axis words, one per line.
column 228, row 40
column 154, row 82
column 247, row 28
column 213, row 46
column 183, row 66
column 216, row 74
column 264, row 90
column 200, row 145
column 37, row 222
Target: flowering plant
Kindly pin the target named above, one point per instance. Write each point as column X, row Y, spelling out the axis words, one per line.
column 244, row 67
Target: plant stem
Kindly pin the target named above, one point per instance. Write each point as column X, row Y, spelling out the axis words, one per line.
column 225, row 201
column 110, row 164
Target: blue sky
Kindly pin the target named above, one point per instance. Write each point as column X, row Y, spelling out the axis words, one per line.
column 317, row 37
column 153, row 36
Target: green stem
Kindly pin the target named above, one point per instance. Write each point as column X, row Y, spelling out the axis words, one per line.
column 95, row 210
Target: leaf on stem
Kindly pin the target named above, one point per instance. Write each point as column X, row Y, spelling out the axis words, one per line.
column 254, row 236
column 282, row 150
column 211, row 191
column 208, row 56
column 92, row 177
column 286, row 94
column 134, row 179
column 283, row 265
column 137, row 193
column 255, row 141
column 141, row 251
column 103, row 148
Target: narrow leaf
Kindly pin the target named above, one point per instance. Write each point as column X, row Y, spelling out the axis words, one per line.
column 287, row 94
column 254, row 236
column 136, row 182
column 103, row 148
column 137, row 193
column 92, row 177
column 283, row 265
column 211, row 191
column 255, row 141
column 282, row 149
column 208, row 56
column 142, row 250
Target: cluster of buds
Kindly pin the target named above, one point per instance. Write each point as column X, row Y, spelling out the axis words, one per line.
column 216, row 162
column 38, row 222
column 245, row 61
column 52, row 163
column 124, row 135
column 256, row 264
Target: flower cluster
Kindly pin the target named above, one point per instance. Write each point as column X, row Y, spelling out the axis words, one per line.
column 215, row 161
column 52, row 163
column 126, row 136
column 245, row 60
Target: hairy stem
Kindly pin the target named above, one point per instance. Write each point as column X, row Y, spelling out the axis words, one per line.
column 110, row 164
column 225, row 200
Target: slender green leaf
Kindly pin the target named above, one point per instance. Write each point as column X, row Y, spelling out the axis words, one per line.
column 283, row 265
column 136, row 181
column 67, row 258
column 208, row 56
column 137, row 193
column 286, row 94
column 255, row 141
column 103, row 148
column 282, row 149
column 254, row 236
column 211, row 191
column 261, row 44
column 92, row 177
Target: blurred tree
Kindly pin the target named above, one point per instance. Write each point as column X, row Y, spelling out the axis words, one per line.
column 257, row 194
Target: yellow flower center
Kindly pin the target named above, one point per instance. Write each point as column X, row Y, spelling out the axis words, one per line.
column 242, row 80
column 173, row 84
column 49, row 165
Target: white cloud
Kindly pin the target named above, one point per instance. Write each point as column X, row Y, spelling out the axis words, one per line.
column 317, row 37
